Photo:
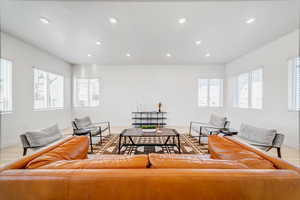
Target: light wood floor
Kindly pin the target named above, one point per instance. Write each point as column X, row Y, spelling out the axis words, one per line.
column 14, row 152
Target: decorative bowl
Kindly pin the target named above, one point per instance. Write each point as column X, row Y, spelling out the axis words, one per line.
column 149, row 130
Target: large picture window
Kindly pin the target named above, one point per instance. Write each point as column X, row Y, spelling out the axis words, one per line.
column 249, row 90
column 86, row 92
column 5, row 86
column 48, row 90
column 210, row 92
column 294, row 84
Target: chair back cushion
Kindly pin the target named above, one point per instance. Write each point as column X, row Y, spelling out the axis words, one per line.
column 257, row 135
column 75, row 148
column 102, row 162
column 83, row 122
column 189, row 161
column 217, row 120
column 44, row 136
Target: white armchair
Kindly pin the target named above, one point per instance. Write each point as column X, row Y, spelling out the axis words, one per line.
column 264, row 139
column 96, row 128
column 213, row 126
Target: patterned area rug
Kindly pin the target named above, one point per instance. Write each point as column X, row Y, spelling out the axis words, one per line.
column 189, row 145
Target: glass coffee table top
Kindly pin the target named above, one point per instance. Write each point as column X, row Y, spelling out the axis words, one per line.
column 138, row 132
column 170, row 138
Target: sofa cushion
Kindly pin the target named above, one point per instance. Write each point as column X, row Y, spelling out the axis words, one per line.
column 257, row 135
column 76, row 148
column 83, row 122
column 102, row 162
column 44, row 136
column 221, row 148
column 192, row 161
column 217, row 121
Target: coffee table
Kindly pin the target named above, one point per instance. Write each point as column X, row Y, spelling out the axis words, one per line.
column 170, row 137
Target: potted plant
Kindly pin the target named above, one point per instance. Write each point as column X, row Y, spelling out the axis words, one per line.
column 149, row 128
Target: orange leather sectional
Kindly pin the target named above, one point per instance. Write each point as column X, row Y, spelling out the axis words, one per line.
column 236, row 171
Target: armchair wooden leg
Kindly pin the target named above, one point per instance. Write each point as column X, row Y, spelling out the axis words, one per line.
column 100, row 134
column 200, row 134
column 91, row 143
column 24, row 151
column 278, row 152
column 109, row 128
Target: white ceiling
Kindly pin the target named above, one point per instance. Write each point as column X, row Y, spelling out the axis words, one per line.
column 148, row 30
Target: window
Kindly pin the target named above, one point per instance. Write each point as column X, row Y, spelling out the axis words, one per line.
column 243, row 90
column 48, row 90
column 249, row 90
column 294, row 84
column 5, row 86
column 257, row 89
column 210, row 92
column 86, row 92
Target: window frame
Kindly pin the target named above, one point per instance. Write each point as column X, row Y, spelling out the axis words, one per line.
column 75, row 93
column 250, row 86
column 208, row 93
column 47, row 93
column 292, row 81
column 11, row 110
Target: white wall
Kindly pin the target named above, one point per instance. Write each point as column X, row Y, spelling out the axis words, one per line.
column 125, row 87
column 24, row 57
column 273, row 58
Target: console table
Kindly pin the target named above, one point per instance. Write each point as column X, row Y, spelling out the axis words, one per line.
column 149, row 118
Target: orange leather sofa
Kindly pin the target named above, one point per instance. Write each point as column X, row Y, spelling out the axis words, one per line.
column 236, row 171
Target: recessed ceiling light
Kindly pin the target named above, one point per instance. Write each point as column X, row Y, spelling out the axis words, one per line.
column 113, row 20
column 44, row 20
column 198, row 42
column 207, row 54
column 182, row 20
column 98, row 43
column 168, row 55
column 250, row 20
column 128, row 54
column 89, row 55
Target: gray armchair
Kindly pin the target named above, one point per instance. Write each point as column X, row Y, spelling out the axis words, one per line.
column 40, row 138
column 264, row 139
column 215, row 124
column 96, row 129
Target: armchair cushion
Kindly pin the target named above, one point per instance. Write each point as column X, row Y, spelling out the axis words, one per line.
column 257, row 135
column 76, row 148
column 217, row 121
column 102, row 162
column 44, row 136
column 83, row 122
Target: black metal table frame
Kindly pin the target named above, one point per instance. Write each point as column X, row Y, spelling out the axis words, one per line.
column 166, row 144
